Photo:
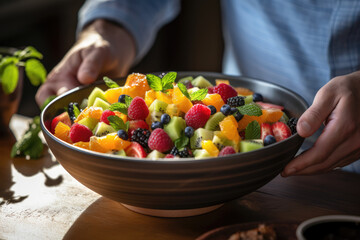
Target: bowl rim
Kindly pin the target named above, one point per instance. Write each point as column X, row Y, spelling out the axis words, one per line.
column 166, row 160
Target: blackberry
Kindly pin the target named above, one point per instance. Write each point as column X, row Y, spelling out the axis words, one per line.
column 71, row 110
column 182, row 154
column 141, row 136
column 174, row 151
column 292, row 124
column 236, row 101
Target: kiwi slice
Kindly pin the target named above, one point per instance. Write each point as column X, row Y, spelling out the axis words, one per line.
column 158, row 106
column 221, row 141
column 102, row 129
column 185, row 80
column 175, row 127
column 89, row 122
column 201, row 82
column 214, row 120
column 200, row 134
column 192, row 90
column 250, row 145
column 155, row 155
column 248, row 99
column 201, row 153
column 119, row 153
column 101, row 103
column 96, row 93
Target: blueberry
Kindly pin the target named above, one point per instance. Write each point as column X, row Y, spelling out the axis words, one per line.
column 225, row 109
column 212, row 109
column 257, row 97
column 122, row 134
column 238, row 116
column 156, row 125
column 165, row 118
column 189, row 131
column 269, row 139
column 122, row 98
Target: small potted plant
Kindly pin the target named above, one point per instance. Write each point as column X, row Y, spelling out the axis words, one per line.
column 13, row 64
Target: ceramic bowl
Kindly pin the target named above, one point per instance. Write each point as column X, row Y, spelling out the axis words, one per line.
column 177, row 187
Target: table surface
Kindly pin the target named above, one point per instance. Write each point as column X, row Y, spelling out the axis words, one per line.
column 40, row 200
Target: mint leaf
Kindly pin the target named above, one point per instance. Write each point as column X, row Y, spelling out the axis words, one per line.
column 9, row 77
column 252, row 130
column 110, row 83
column 117, row 123
column 184, row 91
column 128, row 100
column 250, row 109
column 154, row 82
column 181, row 142
column 199, row 95
column 35, row 71
column 168, row 80
column 120, row 107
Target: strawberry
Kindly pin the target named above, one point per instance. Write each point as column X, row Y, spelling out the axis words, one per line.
column 79, row 133
column 64, row 118
column 105, row 115
column 197, row 116
column 226, row 91
column 227, row 151
column 169, row 156
column 135, row 124
column 138, row 109
column 281, row 131
column 265, row 130
column 135, row 150
column 265, row 105
column 159, row 140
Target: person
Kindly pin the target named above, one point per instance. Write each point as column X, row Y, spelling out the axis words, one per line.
column 311, row 47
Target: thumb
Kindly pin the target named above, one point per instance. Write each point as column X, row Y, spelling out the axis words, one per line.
column 90, row 68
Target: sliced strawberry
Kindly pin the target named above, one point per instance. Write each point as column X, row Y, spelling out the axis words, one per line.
column 269, row 106
column 135, row 150
column 265, row 130
column 281, row 131
column 64, row 118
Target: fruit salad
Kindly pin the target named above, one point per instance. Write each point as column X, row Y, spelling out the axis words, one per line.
column 165, row 117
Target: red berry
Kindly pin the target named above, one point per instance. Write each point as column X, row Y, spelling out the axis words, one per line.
column 197, row 116
column 79, row 133
column 138, row 109
column 265, row 130
column 281, row 131
column 135, row 124
column 226, row 91
column 135, row 150
column 210, row 90
column 269, row 106
column 227, row 151
column 169, row 156
column 64, row 118
column 160, row 140
column 105, row 115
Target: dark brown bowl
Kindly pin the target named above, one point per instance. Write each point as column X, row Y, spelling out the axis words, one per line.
column 204, row 184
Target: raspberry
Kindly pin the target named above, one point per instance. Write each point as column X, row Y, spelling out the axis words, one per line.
column 225, row 91
column 227, row 151
column 197, row 116
column 159, row 140
column 138, row 109
column 236, row 101
column 210, row 90
column 79, row 133
column 105, row 115
column 141, row 136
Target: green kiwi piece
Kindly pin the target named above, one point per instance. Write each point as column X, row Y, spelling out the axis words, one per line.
column 120, row 153
column 200, row 134
column 248, row 99
column 221, row 141
column 89, row 122
column 201, row 153
column 155, row 155
column 192, row 90
column 213, row 122
column 101, row 129
column 201, row 82
column 185, row 80
column 101, row 103
column 250, row 145
column 175, row 127
column 96, row 93
column 158, row 106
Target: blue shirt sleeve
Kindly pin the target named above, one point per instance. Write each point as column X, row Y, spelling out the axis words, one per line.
column 142, row 18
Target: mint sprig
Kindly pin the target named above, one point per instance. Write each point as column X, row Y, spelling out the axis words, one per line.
column 161, row 84
column 117, row 123
column 181, row 142
column 250, row 109
column 121, row 107
column 195, row 96
column 110, row 83
column 252, row 130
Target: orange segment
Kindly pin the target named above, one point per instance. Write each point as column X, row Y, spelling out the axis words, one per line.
column 95, row 146
column 242, row 124
column 209, row 146
column 112, row 142
column 81, row 144
column 243, row 91
column 93, row 112
column 165, row 97
column 218, row 81
column 179, row 99
column 150, row 96
column 62, row 132
column 112, row 94
column 228, row 127
column 273, row 115
column 215, row 100
column 121, row 115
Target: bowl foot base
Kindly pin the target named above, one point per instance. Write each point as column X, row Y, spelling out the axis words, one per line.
column 172, row 213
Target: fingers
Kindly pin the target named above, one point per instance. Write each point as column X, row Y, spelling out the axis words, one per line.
column 91, row 66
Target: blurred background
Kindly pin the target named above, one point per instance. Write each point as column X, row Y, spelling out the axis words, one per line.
column 192, row 42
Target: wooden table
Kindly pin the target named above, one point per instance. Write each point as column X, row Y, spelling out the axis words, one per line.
column 40, row 200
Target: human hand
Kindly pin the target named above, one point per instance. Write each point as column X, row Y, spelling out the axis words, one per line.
column 103, row 48
column 336, row 106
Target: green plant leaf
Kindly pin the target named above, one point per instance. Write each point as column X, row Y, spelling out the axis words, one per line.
column 253, row 130
column 35, row 71
column 120, row 107
column 128, row 100
column 154, row 82
column 28, row 52
column 250, row 109
column 199, row 94
column 9, row 77
column 168, row 80
column 117, row 123
column 181, row 142
column 110, row 83
column 184, row 91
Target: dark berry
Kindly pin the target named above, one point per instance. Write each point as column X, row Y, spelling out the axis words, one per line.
column 238, row 116
column 269, row 139
column 257, row 97
column 225, row 109
column 292, row 124
column 123, row 134
column 71, row 112
column 212, row 109
column 184, row 153
column 174, row 151
column 141, row 136
column 156, row 125
column 122, row 98
column 236, row 101
column 189, row 132
column 165, row 118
